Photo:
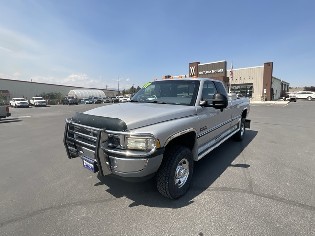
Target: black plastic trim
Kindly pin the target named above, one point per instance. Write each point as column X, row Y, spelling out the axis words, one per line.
column 106, row 123
column 97, row 157
column 65, row 140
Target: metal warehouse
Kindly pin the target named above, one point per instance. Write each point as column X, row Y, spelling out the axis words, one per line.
column 28, row 89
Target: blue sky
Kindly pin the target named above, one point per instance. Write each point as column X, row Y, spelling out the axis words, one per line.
column 95, row 43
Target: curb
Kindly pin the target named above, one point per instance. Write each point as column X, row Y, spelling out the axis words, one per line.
column 270, row 102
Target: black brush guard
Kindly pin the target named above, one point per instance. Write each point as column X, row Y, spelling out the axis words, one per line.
column 80, row 140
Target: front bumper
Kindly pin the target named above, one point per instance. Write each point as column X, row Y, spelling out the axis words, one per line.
column 22, row 105
column 131, row 167
column 88, row 144
column 40, row 104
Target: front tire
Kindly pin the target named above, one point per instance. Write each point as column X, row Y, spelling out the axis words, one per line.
column 175, row 174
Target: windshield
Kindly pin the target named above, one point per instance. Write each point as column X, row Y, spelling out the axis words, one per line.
column 177, row 92
column 38, row 98
column 19, row 99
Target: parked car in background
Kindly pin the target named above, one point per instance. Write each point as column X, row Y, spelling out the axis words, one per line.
column 114, row 99
column 290, row 96
column 107, row 100
column 38, row 101
column 68, row 100
column 86, row 101
column 308, row 95
column 122, row 99
column 97, row 100
column 19, row 102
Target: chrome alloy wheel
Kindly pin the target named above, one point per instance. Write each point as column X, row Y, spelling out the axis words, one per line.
column 181, row 173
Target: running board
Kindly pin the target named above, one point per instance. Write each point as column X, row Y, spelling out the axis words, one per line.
column 217, row 144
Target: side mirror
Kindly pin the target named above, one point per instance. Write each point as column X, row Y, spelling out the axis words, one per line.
column 219, row 101
column 204, row 103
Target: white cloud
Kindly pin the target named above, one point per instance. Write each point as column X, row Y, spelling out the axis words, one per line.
column 74, row 79
column 7, row 50
column 18, row 45
column 78, row 79
column 16, row 74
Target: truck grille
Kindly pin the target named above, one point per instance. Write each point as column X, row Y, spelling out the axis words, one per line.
column 79, row 137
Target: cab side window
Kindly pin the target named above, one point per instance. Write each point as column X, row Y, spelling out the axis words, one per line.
column 208, row 91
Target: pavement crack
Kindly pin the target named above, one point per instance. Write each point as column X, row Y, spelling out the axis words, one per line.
column 246, row 172
column 263, row 195
column 62, row 206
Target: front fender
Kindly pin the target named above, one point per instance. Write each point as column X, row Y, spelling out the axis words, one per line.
column 167, row 131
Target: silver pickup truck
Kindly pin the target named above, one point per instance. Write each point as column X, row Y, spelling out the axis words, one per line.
column 161, row 132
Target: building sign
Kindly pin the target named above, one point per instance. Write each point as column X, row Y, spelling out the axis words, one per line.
column 214, row 69
column 193, row 69
column 211, row 72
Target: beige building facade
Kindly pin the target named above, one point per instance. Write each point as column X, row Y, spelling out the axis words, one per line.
column 257, row 83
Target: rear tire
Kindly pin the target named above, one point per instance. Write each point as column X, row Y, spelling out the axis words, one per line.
column 309, row 98
column 241, row 132
column 175, row 174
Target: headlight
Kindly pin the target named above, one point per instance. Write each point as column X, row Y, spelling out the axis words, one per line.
column 140, row 142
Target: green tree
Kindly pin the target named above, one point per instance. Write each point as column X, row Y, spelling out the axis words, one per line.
column 52, row 97
column 311, row 88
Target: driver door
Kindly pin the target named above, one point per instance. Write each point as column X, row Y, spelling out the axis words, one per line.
column 212, row 122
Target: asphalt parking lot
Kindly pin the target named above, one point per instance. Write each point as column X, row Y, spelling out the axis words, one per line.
column 262, row 186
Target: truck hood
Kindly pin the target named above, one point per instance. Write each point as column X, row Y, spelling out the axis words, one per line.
column 136, row 115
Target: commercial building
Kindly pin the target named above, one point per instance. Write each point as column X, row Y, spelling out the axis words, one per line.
column 257, row 83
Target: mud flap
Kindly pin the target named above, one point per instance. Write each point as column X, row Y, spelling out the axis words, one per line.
column 247, row 124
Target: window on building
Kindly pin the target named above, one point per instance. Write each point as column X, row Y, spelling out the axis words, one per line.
column 246, row 90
